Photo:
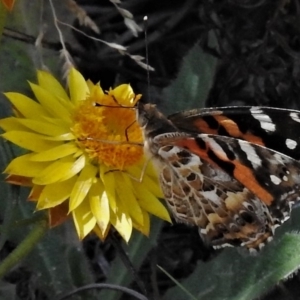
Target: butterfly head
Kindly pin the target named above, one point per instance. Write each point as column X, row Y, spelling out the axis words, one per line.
column 145, row 113
column 152, row 121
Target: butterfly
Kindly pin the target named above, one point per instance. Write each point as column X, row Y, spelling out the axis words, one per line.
column 232, row 171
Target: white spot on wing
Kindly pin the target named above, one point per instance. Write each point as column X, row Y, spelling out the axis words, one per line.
column 223, row 245
column 213, row 145
column 256, row 110
column 285, row 178
column 276, row 180
column 295, row 117
column 291, row 144
column 211, row 196
column 264, row 120
column 251, row 154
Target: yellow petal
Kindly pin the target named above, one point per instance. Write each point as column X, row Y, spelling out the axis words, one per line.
column 56, row 193
column 83, row 219
column 90, row 85
column 78, row 153
column 60, row 170
column 43, row 127
column 57, row 122
column 122, row 222
column 97, row 93
column 123, row 94
column 50, row 103
column 77, row 86
column 22, row 166
column 63, row 137
column 100, row 206
column 12, row 123
column 100, row 234
column 150, row 203
column 27, row 107
column 145, row 228
column 126, row 195
column 47, row 81
column 56, row 152
column 30, row 141
column 150, row 183
column 152, row 172
column 108, row 179
column 82, row 185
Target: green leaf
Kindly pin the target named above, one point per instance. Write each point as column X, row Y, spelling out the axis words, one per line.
column 19, row 60
column 236, row 275
column 191, row 87
column 59, row 263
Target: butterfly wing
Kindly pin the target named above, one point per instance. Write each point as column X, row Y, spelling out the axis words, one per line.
column 274, row 128
column 248, row 174
column 271, row 176
column 226, row 213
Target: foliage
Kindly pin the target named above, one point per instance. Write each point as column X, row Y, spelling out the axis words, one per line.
column 220, row 53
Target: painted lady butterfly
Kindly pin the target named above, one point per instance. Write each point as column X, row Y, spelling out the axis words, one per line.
column 233, row 171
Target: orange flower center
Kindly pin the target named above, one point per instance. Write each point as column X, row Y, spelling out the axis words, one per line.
column 109, row 135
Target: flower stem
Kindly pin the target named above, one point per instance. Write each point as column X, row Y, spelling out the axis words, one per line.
column 24, row 247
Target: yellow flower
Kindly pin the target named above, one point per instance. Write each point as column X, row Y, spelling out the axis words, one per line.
column 84, row 156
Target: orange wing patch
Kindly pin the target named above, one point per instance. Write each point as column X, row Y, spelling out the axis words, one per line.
column 241, row 173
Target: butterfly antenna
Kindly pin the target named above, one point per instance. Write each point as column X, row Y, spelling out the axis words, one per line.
column 147, row 55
